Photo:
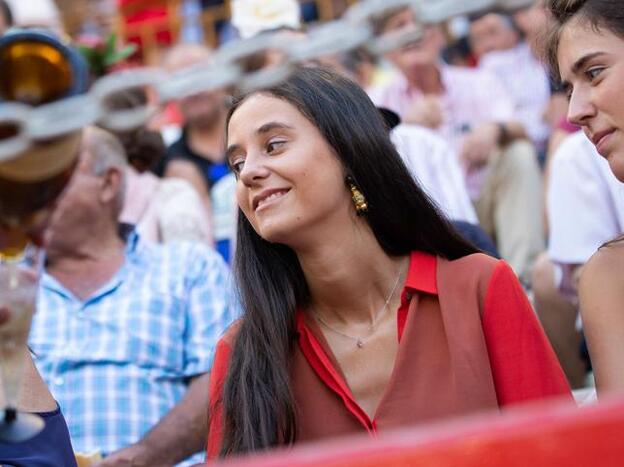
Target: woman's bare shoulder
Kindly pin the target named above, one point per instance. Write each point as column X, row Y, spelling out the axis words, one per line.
column 602, row 275
column 607, row 260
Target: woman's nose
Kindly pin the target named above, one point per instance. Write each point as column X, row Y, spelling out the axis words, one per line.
column 254, row 169
column 580, row 108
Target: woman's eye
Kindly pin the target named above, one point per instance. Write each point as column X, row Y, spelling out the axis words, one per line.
column 237, row 166
column 566, row 89
column 273, row 145
column 592, row 73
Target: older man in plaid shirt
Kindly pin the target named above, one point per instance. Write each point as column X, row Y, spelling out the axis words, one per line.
column 125, row 330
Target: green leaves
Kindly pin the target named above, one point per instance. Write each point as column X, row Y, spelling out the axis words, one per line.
column 101, row 56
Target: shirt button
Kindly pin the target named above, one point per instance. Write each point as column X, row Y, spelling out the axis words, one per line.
column 58, row 381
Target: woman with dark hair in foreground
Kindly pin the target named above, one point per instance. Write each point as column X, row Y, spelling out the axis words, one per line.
column 363, row 309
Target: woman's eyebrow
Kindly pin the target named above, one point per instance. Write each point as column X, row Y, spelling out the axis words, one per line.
column 261, row 130
column 580, row 63
column 271, row 126
column 231, row 150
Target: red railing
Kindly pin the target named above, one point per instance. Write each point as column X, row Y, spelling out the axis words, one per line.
column 536, row 436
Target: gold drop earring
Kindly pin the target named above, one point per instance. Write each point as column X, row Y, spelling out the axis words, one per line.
column 361, row 206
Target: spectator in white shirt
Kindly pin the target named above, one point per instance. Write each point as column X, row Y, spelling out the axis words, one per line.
column 434, row 164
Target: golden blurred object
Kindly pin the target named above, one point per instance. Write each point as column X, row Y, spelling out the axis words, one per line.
column 31, row 182
column 86, row 460
column 14, row 242
column 34, row 73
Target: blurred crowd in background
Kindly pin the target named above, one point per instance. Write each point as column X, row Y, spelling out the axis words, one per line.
column 470, row 106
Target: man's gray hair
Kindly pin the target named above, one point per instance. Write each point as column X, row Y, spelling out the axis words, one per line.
column 106, row 152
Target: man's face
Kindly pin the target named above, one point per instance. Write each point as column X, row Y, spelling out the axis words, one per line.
column 205, row 109
column 532, row 21
column 413, row 57
column 490, row 33
column 76, row 207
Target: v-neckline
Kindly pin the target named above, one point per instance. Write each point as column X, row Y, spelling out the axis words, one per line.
column 316, row 335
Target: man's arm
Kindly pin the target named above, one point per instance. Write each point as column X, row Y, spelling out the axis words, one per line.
column 180, row 433
column 498, row 126
column 481, row 142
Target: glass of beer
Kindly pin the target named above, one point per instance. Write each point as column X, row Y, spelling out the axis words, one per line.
column 19, row 278
column 29, row 185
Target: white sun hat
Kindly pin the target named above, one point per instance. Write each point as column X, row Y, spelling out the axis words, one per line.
column 42, row 13
column 251, row 17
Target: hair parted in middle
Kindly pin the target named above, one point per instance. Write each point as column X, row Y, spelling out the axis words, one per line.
column 257, row 405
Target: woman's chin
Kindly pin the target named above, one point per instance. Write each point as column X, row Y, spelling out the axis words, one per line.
column 616, row 163
column 274, row 232
column 617, row 167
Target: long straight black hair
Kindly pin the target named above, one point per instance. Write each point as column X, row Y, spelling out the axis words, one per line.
column 257, row 403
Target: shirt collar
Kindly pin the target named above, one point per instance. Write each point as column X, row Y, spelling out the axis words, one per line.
column 132, row 249
column 446, row 72
column 130, row 236
column 422, row 273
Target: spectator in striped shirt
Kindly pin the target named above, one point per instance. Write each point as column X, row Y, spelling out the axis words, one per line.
column 473, row 111
column 125, row 330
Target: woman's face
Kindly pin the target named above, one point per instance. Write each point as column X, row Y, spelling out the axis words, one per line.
column 290, row 182
column 591, row 61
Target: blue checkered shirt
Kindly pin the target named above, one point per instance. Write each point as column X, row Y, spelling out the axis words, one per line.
column 119, row 361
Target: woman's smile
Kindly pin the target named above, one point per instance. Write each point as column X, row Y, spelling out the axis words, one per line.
column 268, row 198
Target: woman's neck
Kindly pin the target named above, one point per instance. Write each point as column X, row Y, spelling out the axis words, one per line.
column 349, row 281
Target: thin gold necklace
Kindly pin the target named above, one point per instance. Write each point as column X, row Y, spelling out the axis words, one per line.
column 360, row 341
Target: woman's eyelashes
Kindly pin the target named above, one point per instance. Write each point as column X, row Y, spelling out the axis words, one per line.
column 591, row 74
column 594, row 72
column 273, row 146
column 237, row 166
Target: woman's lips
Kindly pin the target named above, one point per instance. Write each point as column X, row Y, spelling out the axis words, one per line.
column 269, row 197
column 601, row 141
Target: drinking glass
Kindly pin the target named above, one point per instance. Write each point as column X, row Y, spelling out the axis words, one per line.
column 19, row 278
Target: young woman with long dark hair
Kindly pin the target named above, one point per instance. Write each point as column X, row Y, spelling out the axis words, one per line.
column 363, row 308
column 586, row 50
